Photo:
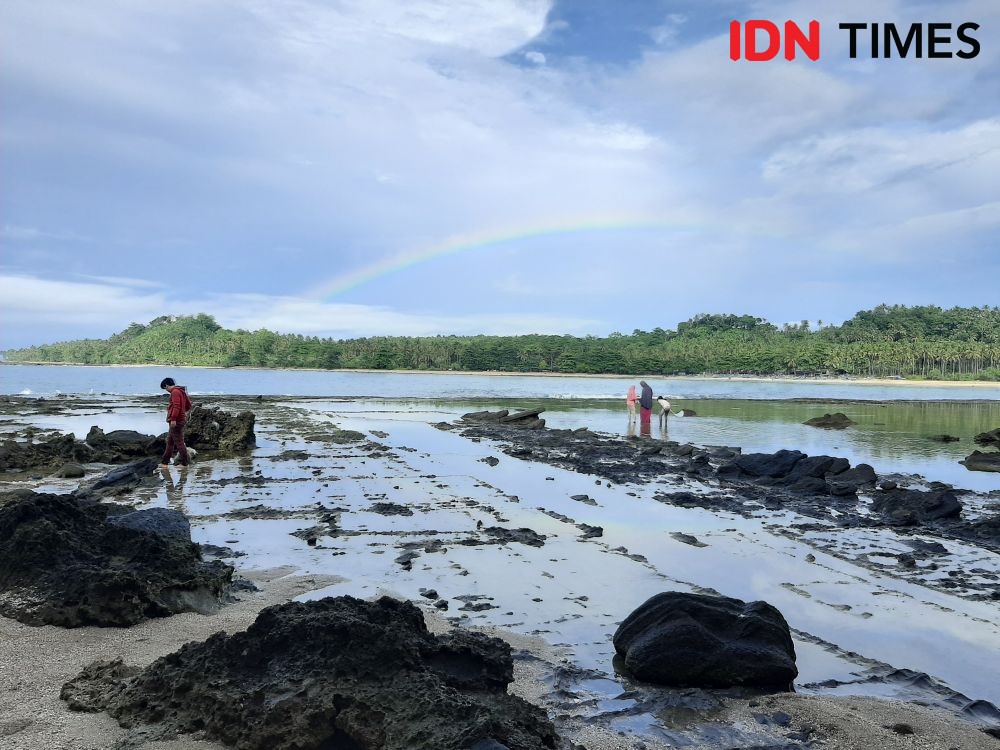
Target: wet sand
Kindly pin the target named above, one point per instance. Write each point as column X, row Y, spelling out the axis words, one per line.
column 859, row 626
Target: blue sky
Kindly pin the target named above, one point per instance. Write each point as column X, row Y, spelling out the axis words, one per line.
column 241, row 158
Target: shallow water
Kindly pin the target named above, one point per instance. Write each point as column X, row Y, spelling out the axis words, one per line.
column 47, row 380
column 854, row 621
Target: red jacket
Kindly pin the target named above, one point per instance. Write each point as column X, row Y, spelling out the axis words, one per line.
column 180, row 405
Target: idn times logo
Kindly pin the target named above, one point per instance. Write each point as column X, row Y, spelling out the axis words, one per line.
column 759, row 40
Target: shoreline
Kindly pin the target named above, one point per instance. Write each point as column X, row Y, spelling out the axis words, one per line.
column 816, row 380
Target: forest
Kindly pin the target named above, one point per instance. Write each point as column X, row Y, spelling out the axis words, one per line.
column 961, row 343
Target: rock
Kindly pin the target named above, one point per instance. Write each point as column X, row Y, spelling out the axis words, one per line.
column 837, row 421
column 53, row 453
column 331, row 673
column 123, row 445
column 980, row 461
column 850, row 481
column 527, row 414
column 590, row 532
column 390, row 509
column 62, row 562
column 697, row 640
column 165, row 521
column 485, row 416
column 988, row 438
column 491, row 460
column 219, row 431
column 768, row 464
column 912, row 507
column 817, row 467
column 585, row 499
column 501, row 535
column 71, row 471
column 120, row 479
column 986, row 529
column 687, row 539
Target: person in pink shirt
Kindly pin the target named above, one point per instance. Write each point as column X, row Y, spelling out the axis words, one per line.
column 630, row 400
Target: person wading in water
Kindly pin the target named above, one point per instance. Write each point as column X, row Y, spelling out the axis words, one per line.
column 177, row 413
column 645, row 405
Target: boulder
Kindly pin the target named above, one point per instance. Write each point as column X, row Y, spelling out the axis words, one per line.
column 331, row 673
column 911, row 507
column 988, row 438
column 71, row 471
column 850, row 481
column 772, row 465
column 836, row 421
column 120, row 479
column 485, row 416
column 123, row 445
column 51, row 453
column 980, row 461
column 527, row 414
column 220, row 432
column 817, row 467
column 697, row 640
column 63, row 563
column 165, row 521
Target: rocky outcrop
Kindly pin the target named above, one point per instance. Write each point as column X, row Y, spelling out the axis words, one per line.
column 119, row 480
column 332, row 673
column 982, row 461
column 218, row 431
column 123, row 445
column 912, row 507
column 697, row 640
column 51, row 454
column 525, row 420
column 65, row 561
column 987, row 439
column 214, row 431
column 836, row 421
column 771, row 465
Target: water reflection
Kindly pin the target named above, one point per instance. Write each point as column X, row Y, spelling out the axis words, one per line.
column 175, row 489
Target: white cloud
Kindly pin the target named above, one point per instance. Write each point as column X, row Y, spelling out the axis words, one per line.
column 104, row 307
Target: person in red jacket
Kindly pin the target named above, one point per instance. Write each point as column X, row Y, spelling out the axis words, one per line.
column 177, row 414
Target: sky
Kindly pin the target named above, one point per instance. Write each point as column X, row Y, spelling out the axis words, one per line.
column 362, row 167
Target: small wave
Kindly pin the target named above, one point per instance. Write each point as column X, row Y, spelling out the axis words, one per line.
column 26, row 392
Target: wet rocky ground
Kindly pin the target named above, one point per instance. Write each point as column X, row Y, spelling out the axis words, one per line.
column 554, row 537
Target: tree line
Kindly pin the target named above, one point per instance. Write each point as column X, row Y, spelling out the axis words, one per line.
column 922, row 342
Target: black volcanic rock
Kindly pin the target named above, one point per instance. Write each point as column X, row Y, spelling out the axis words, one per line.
column 771, row 465
column 988, row 438
column 982, row 461
column 837, row 421
column 697, row 640
column 218, row 431
column 325, row 674
column 912, row 507
column 63, row 563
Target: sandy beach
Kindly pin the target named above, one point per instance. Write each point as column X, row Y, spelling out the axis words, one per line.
column 547, row 544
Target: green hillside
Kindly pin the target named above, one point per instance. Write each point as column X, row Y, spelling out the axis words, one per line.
column 921, row 342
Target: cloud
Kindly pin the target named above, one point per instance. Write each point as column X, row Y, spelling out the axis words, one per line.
column 259, row 148
column 102, row 307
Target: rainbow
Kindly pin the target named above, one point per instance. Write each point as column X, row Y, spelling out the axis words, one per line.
column 462, row 243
